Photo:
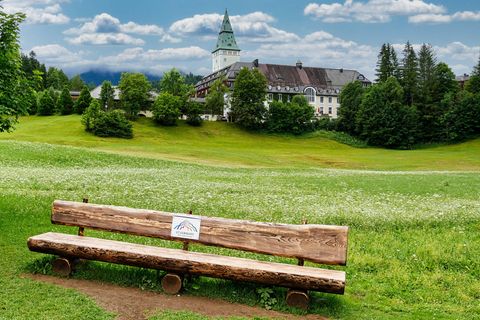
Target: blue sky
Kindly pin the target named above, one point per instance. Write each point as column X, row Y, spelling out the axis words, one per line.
column 154, row 36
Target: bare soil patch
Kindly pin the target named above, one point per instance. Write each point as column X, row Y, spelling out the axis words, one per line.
column 133, row 303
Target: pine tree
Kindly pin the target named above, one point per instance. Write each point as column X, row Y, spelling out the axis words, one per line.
column 46, row 105
column 107, row 95
column 65, row 102
column 428, row 109
column 409, row 74
column 83, row 101
column 387, row 65
column 476, row 69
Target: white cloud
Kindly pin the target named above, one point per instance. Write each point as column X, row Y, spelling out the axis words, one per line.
column 38, row 11
column 106, row 39
column 320, row 49
column 371, row 11
column 445, row 18
column 253, row 27
column 131, row 59
column 106, row 29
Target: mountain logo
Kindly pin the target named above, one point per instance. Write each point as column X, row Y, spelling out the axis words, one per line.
column 185, row 226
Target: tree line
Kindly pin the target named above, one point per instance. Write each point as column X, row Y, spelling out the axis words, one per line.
column 416, row 100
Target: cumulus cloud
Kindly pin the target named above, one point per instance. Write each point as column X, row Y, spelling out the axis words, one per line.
column 131, row 59
column 106, row 29
column 38, row 11
column 320, row 49
column 445, row 18
column 371, row 11
column 253, row 27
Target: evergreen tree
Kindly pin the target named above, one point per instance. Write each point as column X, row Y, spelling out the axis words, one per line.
column 107, row 95
column 384, row 67
column 76, row 83
column 476, row 69
column 56, row 79
column 462, row 121
column 383, row 120
column 387, row 65
column 91, row 114
column 248, row 97
column 429, row 111
column 83, row 101
column 473, row 85
column 46, row 105
column 409, row 74
column 65, row 102
column 351, row 97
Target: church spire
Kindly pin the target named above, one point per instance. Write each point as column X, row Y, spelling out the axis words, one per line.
column 226, row 38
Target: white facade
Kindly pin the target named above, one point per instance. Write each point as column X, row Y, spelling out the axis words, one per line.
column 224, row 58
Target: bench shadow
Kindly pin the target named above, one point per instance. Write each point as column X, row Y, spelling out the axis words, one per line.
column 246, row 293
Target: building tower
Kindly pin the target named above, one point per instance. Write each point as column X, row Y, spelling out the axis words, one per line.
column 226, row 51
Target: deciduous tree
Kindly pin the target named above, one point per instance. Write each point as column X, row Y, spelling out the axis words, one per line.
column 248, row 97
column 10, row 70
column 134, row 93
column 215, row 99
column 107, row 95
column 351, row 98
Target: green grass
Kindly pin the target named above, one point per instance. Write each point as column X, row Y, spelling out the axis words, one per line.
column 223, row 144
column 413, row 242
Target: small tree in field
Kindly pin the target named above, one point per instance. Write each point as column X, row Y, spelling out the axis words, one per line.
column 91, row 114
column 351, row 97
column 83, row 101
column 166, row 109
column 107, row 95
column 134, row 93
column 65, row 102
column 248, row 97
column 46, row 105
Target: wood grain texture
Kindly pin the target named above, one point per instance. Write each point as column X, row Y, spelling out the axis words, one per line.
column 316, row 243
column 183, row 262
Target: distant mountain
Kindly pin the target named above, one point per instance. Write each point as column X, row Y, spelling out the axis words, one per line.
column 98, row 76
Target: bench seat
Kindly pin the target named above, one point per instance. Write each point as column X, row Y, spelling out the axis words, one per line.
column 195, row 263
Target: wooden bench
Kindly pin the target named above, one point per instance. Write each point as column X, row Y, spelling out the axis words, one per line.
column 308, row 242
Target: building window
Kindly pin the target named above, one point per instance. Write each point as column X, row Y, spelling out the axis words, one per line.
column 329, row 99
column 280, row 97
column 310, row 95
column 321, row 99
column 338, row 100
column 329, row 110
column 321, row 110
column 270, row 97
column 288, row 98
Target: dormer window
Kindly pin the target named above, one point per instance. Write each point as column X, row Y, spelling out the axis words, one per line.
column 310, row 95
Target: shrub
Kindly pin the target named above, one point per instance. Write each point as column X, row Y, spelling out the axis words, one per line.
column 112, row 124
column 294, row 117
column 166, row 109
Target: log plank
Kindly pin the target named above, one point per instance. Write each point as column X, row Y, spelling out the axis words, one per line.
column 181, row 262
column 316, row 243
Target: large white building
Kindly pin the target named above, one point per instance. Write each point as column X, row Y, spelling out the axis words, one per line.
column 321, row 86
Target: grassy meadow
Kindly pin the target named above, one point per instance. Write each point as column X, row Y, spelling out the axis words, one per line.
column 414, row 216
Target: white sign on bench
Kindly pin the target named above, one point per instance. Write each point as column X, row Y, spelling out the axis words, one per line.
column 185, row 227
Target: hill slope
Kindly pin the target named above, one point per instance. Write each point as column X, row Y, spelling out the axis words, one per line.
column 224, row 144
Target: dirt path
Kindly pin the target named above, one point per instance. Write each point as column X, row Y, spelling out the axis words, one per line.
column 142, row 304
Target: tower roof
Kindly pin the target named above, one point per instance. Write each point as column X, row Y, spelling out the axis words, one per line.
column 226, row 38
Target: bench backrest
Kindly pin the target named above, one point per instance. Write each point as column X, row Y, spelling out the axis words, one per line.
column 316, row 243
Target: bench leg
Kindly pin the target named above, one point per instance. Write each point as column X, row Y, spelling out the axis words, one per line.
column 297, row 298
column 63, row 266
column 172, row 283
